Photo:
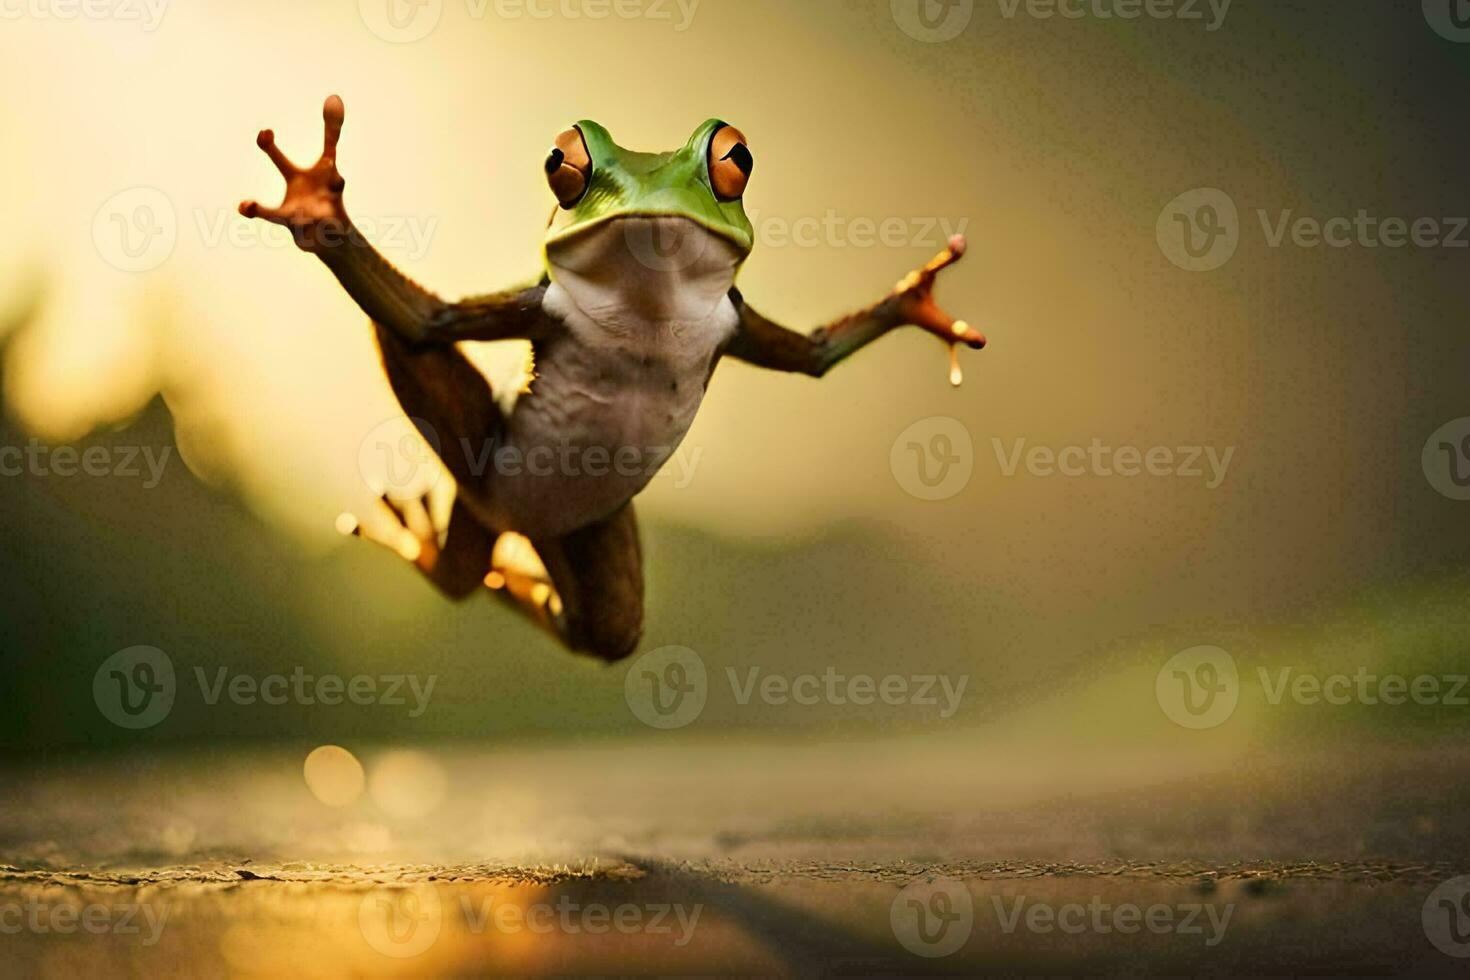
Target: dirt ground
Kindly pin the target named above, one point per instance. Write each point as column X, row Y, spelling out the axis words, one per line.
column 737, row 855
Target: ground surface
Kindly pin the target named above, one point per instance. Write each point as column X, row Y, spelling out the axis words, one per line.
column 738, row 855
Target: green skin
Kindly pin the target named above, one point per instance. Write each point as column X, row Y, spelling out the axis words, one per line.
column 677, row 185
column 624, row 352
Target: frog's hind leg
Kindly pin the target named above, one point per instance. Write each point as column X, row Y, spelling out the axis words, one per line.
column 453, row 554
column 597, row 575
column 437, row 386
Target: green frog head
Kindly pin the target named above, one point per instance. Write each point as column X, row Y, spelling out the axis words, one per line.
column 597, row 182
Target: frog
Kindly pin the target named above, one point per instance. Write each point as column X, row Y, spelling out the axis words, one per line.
column 636, row 306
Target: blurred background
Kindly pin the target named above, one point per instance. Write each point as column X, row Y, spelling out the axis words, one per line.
column 145, row 317
column 1218, row 446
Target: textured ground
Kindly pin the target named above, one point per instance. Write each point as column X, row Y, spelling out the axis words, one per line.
column 729, row 855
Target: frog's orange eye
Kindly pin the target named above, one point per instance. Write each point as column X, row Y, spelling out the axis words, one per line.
column 569, row 168
column 730, row 163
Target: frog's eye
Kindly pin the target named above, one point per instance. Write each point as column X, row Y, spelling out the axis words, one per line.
column 730, row 163
column 569, row 168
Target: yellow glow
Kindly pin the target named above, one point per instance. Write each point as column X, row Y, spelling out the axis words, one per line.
column 333, row 775
column 409, row 547
column 407, row 784
column 514, row 554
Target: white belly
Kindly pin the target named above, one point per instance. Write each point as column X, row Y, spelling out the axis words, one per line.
column 613, row 395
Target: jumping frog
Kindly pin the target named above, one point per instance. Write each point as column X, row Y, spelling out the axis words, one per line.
column 636, row 307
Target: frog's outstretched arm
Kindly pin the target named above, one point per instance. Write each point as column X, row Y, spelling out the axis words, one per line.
column 314, row 212
column 766, row 344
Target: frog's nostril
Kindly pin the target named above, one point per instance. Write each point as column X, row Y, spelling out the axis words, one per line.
column 554, row 161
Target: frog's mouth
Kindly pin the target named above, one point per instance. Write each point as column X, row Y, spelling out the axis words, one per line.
column 558, row 233
column 656, row 267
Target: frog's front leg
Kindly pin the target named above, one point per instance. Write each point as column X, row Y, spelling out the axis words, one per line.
column 314, row 212
column 766, row 344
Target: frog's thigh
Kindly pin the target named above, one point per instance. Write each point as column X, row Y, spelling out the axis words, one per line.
column 438, row 385
column 598, row 574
